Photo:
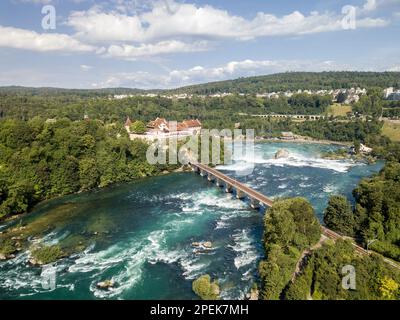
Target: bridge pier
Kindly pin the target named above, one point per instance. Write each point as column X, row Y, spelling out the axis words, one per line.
column 228, row 188
column 195, row 169
column 254, row 204
column 219, row 183
column 240, row 194
column 210, row 177
column 203, row 173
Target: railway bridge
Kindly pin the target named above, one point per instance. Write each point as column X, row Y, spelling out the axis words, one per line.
column 258, row 200
column 230, row 185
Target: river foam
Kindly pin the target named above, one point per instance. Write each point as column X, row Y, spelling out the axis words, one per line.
column 244, row 248
column 295, row 159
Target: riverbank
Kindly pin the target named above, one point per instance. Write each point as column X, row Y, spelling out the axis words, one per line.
column 302, row 139
column 16, row 238
column 11, row 218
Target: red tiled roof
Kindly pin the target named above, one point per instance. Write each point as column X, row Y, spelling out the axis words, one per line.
column 181, row 127
column 192, row 123
column 157, row 123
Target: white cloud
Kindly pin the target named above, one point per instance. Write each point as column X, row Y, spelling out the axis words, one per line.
column 31, row 40
column 94, row 25
column 36, row 1
column 200, row 74
column 370, row 5
column 146, row 50
column 115, row 29
column 85, row 67
column 247, row 67
column 191, row 21
column 394, row 69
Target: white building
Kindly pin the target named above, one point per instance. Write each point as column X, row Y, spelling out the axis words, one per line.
column 388, row 91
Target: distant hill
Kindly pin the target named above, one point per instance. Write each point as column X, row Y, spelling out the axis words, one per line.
column 43, row 91
column 297, row 80
column 260, row 84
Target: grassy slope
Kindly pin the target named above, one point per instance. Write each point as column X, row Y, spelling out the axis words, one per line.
column 392, row 130
column 339, row 110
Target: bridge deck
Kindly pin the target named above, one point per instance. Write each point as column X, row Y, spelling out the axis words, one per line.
column 237, row 185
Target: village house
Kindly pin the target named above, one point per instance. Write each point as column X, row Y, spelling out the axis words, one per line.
column 388, row 91
column 192, row 126
column 161, row 128
column 158, row 126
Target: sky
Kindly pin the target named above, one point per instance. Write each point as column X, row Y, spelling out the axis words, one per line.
column 151, row 44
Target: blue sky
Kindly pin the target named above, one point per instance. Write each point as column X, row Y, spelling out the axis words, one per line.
column 171, row 43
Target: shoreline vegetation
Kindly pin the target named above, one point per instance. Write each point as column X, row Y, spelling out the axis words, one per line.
column 183, row 168
column 42, row 161
column 306, row 140
column 302, row 264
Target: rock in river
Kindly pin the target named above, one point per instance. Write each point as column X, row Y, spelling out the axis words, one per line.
column 207, row 244
column 281, row 153
column 105, row 285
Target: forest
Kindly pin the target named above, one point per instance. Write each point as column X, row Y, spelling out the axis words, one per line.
column 299, row 265
column 24, row 107
column 375, row 219
column 215, row 113
column 40, row 160
column 290, row 227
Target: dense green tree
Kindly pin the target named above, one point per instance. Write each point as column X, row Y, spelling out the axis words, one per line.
column 370, row 104
column 321, row 277
column 377, row 210
column 88, row 173
column 41, row 159
column 290, row 227
column 138, row 127
column 300, row 289
column 339, row 215
column 276, row 271
column 205, row 288
column 291, row 222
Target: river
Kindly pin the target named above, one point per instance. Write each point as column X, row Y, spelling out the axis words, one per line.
column 139, row 234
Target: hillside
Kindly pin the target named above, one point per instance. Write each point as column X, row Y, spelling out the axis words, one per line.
column 260, row 84
column 297, row 80
column 49, row 91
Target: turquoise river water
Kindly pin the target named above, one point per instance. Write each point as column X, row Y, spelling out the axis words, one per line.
column 140, row 234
